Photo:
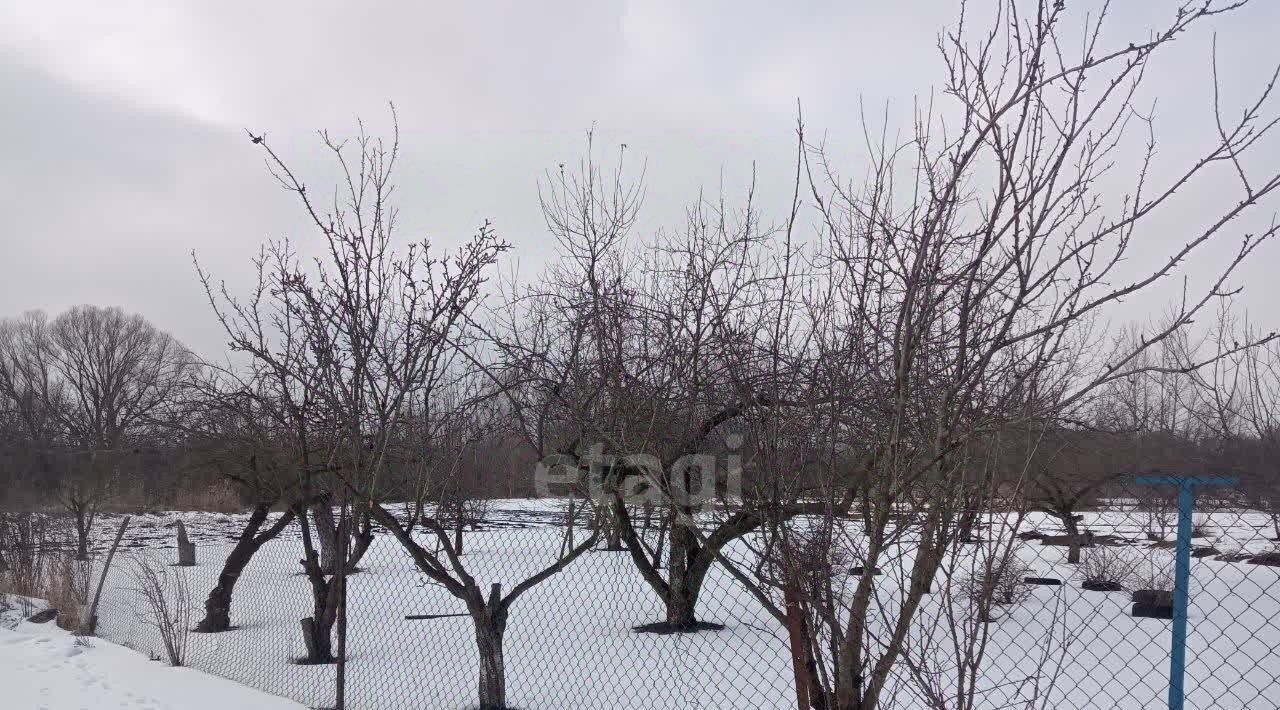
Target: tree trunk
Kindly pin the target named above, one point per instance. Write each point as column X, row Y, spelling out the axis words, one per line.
column 318, row 637
column 362, row 540
column 327, row 534
column 848, row 679
column 324, row 597
column 799, row 643
column 1069, row 522
column 493, row 682
column 82, row 531
column 217, row 607
column 968, row 521
column 457, row 533
column 320, row 629
column 681, row 607
column 682, row 587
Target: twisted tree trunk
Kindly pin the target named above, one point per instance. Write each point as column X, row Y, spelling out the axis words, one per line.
column 491, row 624
column 318, row 629
column 217, row 607
column 1074, row 538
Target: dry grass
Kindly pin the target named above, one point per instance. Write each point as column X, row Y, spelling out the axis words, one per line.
column 67, row 589
column 40, row 566
column 24, row 538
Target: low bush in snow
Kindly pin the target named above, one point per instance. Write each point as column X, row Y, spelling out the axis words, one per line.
column 1004, row 584
column 1155, row 572
column 1110, row 565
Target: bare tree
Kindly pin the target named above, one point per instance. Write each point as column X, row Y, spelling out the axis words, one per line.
column 118, row 372
column 1235, row 408
column 32, row 396
column 1069, row 469
column 643, row 359
column 279, row 406
column 442, row 562
column 380, row 336
column 967, row 269
column 239, row 427
column 1262, row 417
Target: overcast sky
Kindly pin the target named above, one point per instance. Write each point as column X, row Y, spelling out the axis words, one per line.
column 123, row 123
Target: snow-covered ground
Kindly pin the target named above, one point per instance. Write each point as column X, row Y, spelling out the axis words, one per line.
column 570, row 644
column 43, row 667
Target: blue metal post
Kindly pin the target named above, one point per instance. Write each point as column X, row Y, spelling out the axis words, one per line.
column 1181, row 580
column 1182, row 575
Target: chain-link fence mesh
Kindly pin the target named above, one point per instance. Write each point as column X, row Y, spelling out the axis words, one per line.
column 1008, row 621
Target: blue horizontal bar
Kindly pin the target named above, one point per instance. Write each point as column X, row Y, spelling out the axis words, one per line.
column 1192, row 480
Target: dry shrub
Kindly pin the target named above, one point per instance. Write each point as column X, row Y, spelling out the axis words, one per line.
column 166, row 604
column 1161, row 516
column 1109, row 564
column 1003, row 583
column 1154, row 573
column 1200, row 527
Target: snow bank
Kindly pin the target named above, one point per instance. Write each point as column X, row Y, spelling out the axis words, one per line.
column 43, row 668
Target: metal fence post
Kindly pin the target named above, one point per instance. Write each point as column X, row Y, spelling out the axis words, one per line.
column 1182, row 574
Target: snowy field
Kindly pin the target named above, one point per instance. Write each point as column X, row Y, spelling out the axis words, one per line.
column 569, row 642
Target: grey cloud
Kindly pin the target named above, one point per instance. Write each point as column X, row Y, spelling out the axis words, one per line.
column 123, row 125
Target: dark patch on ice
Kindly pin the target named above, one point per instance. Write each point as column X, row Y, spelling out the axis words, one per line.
column 663, row 628
column 1152, row 611
column 304, row 661
column 233, row 627
column 43, row 616
column 1266, row 559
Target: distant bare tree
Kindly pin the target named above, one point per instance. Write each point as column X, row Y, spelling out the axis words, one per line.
column 97, row 377
column 33, row 396
column 1068, row 469
column 28, row 376
column 1236, row 409
column 1262, row 418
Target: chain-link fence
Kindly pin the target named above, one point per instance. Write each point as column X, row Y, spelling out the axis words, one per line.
column 1009, row 620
